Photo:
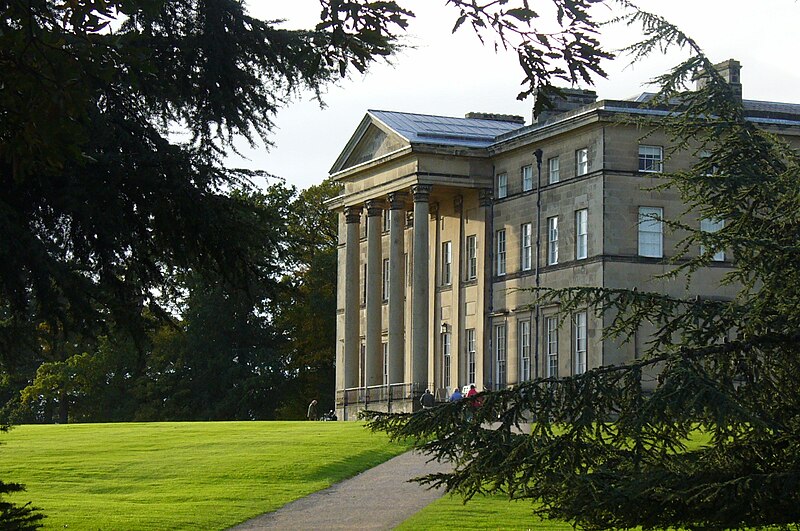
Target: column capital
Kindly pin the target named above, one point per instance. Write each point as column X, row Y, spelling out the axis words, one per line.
column 422, row 192
column 374, row 207
column 485, row 196
column 397, row 200
column 434, row 210
column 352, row 214
column 458, row 203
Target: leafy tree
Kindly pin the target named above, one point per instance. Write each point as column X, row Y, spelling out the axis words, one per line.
column 307, row 312
column 93, row 385
column 221, row 362
column 716, row 444
column 98, row 201
column 222, row 356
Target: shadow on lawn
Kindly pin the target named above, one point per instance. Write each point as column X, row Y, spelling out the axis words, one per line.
column 348, row 466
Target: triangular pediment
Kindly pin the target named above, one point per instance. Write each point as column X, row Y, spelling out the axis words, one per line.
column 372, row 140
column 374, row 144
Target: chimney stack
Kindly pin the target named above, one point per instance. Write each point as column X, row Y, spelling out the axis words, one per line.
column 731, row 72
column 572, row 99
column 512, row 118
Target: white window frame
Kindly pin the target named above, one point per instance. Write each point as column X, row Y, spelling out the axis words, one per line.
column 581, row 161
column 527, row 178
column 364, row 284
column 385, row 291
column 447, row 263
column 446, row 359
column 524, row 340
column 651, row 232
column 581, row 234
column 471, row 355
column 551, row 346
column 362, row 377
column 651, row 159
column 580, row 341
column 500, row 262
column 526, row 247
column 385, row 347
column 712, row 225
column 552, row 240
column 502, row 185
column 472, row 257
column 387, row 220
column 553, row 170
column 707, row 155
column 501, row 361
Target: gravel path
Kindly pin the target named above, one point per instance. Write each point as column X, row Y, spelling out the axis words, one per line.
column 379, row 498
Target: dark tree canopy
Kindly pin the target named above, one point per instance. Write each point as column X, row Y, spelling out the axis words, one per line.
column 99, row 203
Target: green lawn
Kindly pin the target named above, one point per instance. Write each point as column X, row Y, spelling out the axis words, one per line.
column 490, row 512
column 204, row 475
column 493, row 512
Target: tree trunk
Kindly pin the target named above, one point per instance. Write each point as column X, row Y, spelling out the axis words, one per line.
column 63, row 408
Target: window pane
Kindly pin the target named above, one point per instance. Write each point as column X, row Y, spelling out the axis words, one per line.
column 501, row 252
column 386, row 220
column 552, row 240
column 525, row 350
column 580, row 342
column 553, row 175
column 472, row 257
column 447, row 260
column 446, row 359
column 470, row 356
column 711, row 225
column 500, row 355
column 582, row 161
column 526, row 247
column 527, row 178
column 650, row 158
column 502, row 185
column 551, row 339
column 650, row 232
column 385, row 293
column 385, row 363
column 581, row 234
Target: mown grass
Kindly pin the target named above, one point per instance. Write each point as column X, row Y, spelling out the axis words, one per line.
column 495, row 512
column 481, row 512
column 204, row 475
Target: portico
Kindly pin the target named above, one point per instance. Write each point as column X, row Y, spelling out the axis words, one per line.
column 395, row 312
column 375, row 370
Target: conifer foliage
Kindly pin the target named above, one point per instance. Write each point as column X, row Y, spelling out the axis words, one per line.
column 716, row 444
column 114, row 118
column 13, row 516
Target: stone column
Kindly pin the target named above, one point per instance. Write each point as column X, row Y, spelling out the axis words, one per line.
column 420, row 291
column 352, row 308
column 373, row 367
column 485, row 303
column 397, row 219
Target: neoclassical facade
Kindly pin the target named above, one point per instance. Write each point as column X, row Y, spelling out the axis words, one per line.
column 447, row 224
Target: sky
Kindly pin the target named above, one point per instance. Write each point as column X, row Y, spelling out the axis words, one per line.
column 451, row 75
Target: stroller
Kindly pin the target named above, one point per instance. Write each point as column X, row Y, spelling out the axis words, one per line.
column 329, row 416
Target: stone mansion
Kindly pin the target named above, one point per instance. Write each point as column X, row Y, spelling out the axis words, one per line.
column 446, row 223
